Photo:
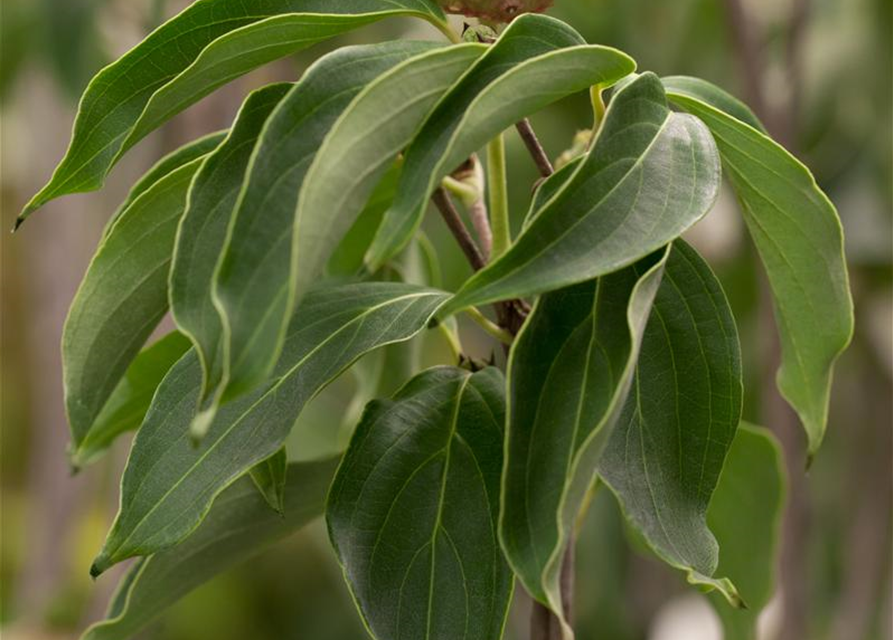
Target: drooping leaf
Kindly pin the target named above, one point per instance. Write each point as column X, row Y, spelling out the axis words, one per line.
column 128, row 403
column 201, row 234
column 169, row 484
column 666, row 453
column 745, row 516
column 122, row 298
column 413, row 510
column 172, row 161
column 251, row 285
column 270, row 477
column 651, row 174
column 380, row 122
column 239, row 525
column 204, row 47
column 800, row 241
column 569, row 374
column 535, row 62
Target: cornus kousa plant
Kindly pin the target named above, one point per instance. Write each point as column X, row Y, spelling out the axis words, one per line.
column 279, row 247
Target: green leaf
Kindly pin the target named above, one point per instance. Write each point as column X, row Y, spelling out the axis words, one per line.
column 202, row 232
column 121, row 299
column 535, row 62
column 651, row 174
column 128, row 403
column 239, row 525
column 169, row 483
column 666, row 454
column 270, row 477
column 413, row 510
column 800, row 241
column 745, row 515
column 380, row 122
column 172, row 161
column 204, row 47
column 570, row 371
column 251, row 285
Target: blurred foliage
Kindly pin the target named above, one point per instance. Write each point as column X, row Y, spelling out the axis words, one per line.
column 844, row 126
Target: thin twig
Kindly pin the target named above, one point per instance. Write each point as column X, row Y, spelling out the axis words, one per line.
column 448, row 211
column 535, row 148
column 481, row 222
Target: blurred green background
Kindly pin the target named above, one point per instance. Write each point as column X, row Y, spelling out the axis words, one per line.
column 820, row 74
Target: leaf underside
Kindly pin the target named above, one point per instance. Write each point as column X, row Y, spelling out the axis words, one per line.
column 666, row 453
column 569, row 374
column 800, row 241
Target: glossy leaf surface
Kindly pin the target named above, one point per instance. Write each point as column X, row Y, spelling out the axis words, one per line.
column 651, row 174
column 569, row 374
column 251, row 285
column 413, row 510
column 239, row 525
column 204, row 47
column 122, row 298
column 536, row 61
column 665, row 456
column 800, row 241
column 169, row 483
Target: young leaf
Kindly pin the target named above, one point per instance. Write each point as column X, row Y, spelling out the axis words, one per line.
column 800, row 241
column 122, row 298
column 172, row 161
column 239, row 525
column 204, row 47
column 666, row 454
column 270, row 477
column 651, row 174
column 128, row 403
column 251, row 285
column 745, row 516
column 569, row 374
column 535, row 62
column 169, row 484
column 413, row 510
column 202, row 231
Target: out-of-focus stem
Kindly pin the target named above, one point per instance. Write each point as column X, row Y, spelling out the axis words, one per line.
column 497, row 185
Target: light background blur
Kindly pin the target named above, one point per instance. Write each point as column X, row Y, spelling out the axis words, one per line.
column 819, row 74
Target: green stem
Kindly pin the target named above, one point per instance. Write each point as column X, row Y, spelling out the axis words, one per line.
column 445, row 28
column 490, row 327
column 598, row 108
column 497, row 186
column 452, row 341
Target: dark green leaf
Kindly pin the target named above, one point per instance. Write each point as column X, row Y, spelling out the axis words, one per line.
column 202, row 232
column 651, row 175
column 745, row 516
column 251, row 286
column 128, row 403
column 169, row 484
column 666, row 454
column 121, row 299
column 800, row 241
column 206, row 46
column 413, row 510
column 569, row 374
column 239, row 525
column 535, row 62
column 270, row 477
